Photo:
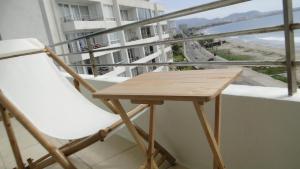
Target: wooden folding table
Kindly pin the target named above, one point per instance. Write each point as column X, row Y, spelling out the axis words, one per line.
column 198, row 86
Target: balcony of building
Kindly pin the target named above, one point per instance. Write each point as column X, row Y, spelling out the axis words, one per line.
column 137, row 71
column 132, row 34
column 134, row 54
column 86, row 16
column 88, row 25
column 103, row 59
column 149, row 50
column 260, row 124
column 259, row 128
column 99, row 41
column 145, row 13
column 114, row 39
column 147, row 32
column 128, row 13
column 153, row 68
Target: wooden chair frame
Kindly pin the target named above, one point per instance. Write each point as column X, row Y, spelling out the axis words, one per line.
column 60, row 154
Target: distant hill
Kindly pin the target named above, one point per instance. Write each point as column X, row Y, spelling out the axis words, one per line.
column 235, row 17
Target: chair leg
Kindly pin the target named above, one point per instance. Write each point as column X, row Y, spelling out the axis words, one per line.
column 12, row 138
column 54, row 151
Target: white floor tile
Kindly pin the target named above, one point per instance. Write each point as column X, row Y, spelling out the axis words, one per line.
column 114, row 153
column 130, row 159
column 101, row 151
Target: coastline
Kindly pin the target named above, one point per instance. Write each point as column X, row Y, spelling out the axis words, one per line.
column 256, row 51
column 242, row 50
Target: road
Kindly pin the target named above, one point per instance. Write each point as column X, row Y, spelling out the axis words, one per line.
column 194, row 52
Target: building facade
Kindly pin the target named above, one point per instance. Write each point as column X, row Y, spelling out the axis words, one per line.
column 67, row 19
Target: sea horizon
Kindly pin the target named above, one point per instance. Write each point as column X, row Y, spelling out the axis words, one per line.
column 274, row 39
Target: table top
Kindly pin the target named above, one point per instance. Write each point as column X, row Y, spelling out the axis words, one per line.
column 201, row 85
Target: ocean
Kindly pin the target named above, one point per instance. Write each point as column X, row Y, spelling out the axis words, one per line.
column 275, row 39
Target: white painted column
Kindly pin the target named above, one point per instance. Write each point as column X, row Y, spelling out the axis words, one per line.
column 50, row 11
column 110, row 60
column 160, row 34
column 124, row 52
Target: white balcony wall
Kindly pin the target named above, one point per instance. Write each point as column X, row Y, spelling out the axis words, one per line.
column 260, row 128
column 137, row 3
column 127, row 22
column 87, row 25
column 147, row 40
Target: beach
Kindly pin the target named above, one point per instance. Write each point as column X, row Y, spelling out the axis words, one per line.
column 255, row 51
column 252, row 51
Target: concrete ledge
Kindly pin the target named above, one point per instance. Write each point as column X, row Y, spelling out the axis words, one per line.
column 275, row 93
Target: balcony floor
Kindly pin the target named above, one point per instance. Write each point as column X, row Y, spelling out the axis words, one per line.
column 114, row 153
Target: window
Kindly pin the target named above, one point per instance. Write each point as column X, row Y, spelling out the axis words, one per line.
column 78, row 46
column 136, row 71
column 124, row 15
column 164, row 28
column 144, row 13
column 117, row 57
column 131, row 35
column 74, row 12
column 146, row 32
column 89, row 69
column 84, row 11
column 132, row 56
column 65, row 12
column 114, row 38
column 108, row 12
column 149, row 50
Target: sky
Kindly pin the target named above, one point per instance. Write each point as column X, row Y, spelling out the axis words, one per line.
column 260, row 5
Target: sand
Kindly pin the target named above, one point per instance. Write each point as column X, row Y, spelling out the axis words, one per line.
column 256, row 51
column 259, row 52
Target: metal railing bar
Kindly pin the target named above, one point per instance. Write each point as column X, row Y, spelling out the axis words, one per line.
column 199, row 37
column 289, row 46
column 92, row 57
column 231, row 63
column 295, row 26
column 176, row 14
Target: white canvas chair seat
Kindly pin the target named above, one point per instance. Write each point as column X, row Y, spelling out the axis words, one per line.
column 35, row 85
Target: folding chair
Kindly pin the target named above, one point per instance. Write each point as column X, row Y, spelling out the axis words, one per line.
column 35, row 92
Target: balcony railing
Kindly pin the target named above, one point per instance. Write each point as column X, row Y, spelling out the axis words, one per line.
column 74, row 48
column 288, row 28
column 81, row 18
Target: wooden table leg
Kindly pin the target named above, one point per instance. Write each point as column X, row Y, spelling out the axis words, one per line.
column 132, row 129
column 209, row 134
column 218, row 117
column 150, row 152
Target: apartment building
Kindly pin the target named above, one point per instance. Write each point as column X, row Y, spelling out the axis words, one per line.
column 54, row 21
column 68, row 19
